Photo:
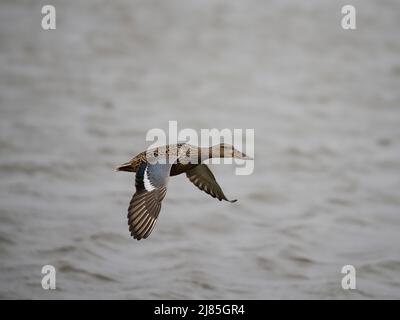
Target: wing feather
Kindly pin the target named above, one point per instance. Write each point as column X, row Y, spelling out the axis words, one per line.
column 202, row 177
column 144, row 208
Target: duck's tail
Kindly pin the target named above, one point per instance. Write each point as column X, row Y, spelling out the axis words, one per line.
column 126, row 167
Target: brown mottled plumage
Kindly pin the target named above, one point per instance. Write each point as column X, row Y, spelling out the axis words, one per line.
column 152, row 177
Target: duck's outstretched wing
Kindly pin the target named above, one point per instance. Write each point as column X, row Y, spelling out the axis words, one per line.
column 151, row 187
column 202, row 177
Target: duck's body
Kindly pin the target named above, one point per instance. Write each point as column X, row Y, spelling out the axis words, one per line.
column 153, row 168
column 177, row 168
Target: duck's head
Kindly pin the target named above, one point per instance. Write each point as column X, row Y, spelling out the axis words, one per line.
column 226, row 150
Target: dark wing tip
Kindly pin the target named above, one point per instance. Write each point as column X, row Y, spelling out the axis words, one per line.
column 142, row 230
column 231, row 201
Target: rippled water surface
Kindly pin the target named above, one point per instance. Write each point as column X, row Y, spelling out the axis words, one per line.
column 325, row 106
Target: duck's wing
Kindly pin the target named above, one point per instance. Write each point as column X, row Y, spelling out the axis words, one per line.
column 202, row 177
column 151, row 187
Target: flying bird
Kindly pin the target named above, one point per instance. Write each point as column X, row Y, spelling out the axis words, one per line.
column 153, row 169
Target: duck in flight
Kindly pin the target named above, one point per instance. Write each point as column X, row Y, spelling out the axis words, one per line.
column 153, row 169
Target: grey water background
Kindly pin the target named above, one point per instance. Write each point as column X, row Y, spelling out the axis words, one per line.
column 79, row 100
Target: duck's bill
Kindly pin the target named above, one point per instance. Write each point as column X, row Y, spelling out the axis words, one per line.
column 240, row 155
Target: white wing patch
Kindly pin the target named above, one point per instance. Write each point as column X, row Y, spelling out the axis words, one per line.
column 147, row 184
